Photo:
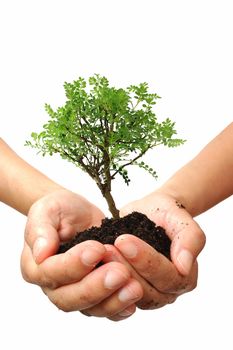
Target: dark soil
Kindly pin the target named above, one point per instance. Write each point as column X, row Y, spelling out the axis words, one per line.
column 136, row 224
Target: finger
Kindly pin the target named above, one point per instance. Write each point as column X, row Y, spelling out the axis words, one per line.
column 152, row 266
column 62, row 269
column 92, row 289
column 187, row 243
column 187, row 237
column 119, row 301
column 41, row 231
column 152, row 298
column 28, row 266
column 129, row 311
column 124, row 314
column 52, row 219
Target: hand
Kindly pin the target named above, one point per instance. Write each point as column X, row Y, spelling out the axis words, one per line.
column 163, row 280
column 68, row 279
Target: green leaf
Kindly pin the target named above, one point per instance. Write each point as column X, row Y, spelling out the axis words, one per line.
column 103, row 129
column 147, row 168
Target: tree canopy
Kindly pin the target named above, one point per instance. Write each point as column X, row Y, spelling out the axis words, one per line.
column 103, row 129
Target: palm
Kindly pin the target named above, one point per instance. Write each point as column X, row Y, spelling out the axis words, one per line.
column 164, row 210
column 57, row 217
column 75, row 214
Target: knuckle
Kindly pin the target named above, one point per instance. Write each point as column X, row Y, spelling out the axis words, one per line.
column 26, row 275
column 152, row 304
column 181, row 288
column 83, row 302
column 119, row 267
column 60, row 302
column 169, row 286
column 45, row 281
column 27, row 232
column 49, row 284
column 191, row 286
column 149, row 304
column 28, row 272
column 86, row 300
column 63, row 307
column 122, row 268
column 201, row 237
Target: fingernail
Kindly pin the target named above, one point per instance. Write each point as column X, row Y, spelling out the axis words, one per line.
column 91, row 256
column 185, row 259
column 39, row 245
column 129, row 250
column 127, row 294
column 126, row 313
column 114, row 279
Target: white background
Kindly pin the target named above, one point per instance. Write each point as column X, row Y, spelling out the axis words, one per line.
column 183, row 49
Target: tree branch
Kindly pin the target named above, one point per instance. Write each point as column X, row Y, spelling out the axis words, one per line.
column 133, row 160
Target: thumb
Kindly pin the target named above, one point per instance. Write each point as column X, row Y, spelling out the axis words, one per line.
column 45, row 244
column 41, row 234
column 186, row 246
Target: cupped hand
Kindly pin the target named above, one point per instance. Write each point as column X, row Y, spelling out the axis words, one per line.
column 68, row 279
column 162, row 280
column 56, row 218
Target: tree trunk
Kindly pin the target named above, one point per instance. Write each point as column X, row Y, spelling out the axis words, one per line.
column 105, row 188
column 111, row 204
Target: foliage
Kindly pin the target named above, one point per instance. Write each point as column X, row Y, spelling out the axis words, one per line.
column 103, row 129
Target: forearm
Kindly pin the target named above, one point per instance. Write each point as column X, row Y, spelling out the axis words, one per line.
column 208, row 178
column 21, row 184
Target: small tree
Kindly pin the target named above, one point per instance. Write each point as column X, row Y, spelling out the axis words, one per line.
column 103, row 130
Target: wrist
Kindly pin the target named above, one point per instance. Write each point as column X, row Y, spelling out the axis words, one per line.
column 182, row 198
column 44, row 188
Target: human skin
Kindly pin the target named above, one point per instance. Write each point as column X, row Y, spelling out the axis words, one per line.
column 159, row 281
column 162, row 281
column 67, row 279
column 198, row 186
column 209, row 173
column 202, row 183
column 21, row 184
column 55, row 215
